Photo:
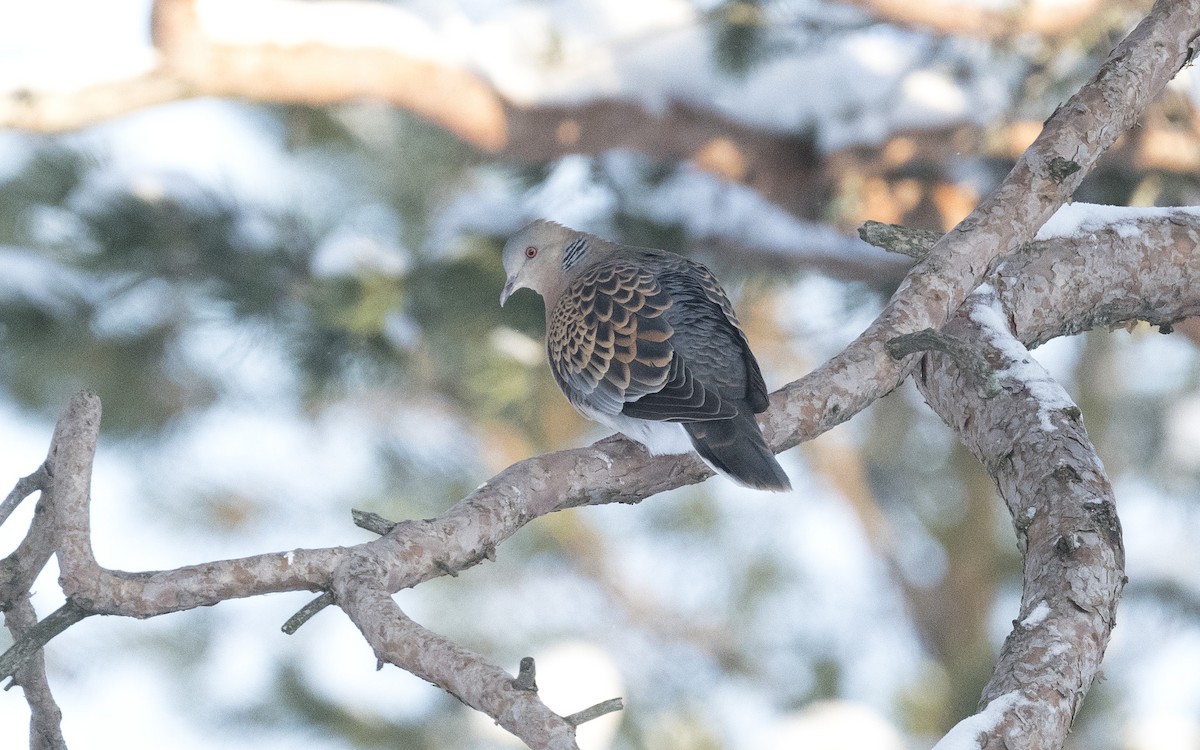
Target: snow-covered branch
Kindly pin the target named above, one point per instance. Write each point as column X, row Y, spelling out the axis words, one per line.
column 1101, row 266
column 1091, row 267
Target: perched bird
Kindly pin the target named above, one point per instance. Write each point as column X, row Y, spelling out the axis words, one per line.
column 646, row 342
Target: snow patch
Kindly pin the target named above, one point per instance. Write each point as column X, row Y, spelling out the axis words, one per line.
column 1083, row 219
column 966, row 734
column 1051, row 396
column 1037, row 616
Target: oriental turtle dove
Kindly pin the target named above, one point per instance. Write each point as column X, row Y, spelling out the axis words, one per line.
column 646, row 342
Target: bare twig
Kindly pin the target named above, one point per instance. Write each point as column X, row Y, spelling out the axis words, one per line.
column 596, row 711
column 306, row 613
column 964, row 352
column 32, row 640
column 25, row 487
column 915, row 243
column 372, row 522
column 526, row 675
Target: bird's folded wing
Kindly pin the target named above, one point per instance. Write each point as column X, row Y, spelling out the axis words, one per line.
column 731, row 337
column 611, row 349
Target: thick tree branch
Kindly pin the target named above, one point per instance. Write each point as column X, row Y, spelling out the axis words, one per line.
column 612, row 470
column 1042, row 180
column 1031, row 439
column 1139, row 267
column 1145, row 269
column 45, row 718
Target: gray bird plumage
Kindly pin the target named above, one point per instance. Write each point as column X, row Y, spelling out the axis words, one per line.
column 647, row 342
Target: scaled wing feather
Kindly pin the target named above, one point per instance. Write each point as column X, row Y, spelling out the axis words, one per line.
column 611, row 348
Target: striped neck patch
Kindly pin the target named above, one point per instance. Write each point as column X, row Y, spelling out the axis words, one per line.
column 574, row 252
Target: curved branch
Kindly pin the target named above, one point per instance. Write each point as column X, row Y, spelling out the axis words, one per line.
column 612, row 470
column 1140, row 268
column 1031, row 439
column 1137, row 267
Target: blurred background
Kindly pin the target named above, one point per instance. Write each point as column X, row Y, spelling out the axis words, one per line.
column 286, row 297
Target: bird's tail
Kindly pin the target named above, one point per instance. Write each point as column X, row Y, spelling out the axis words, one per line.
column 735, row 447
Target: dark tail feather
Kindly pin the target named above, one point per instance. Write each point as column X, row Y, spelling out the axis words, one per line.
column 735, row 448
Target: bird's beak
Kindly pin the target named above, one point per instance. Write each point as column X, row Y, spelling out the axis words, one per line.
column 509, row 288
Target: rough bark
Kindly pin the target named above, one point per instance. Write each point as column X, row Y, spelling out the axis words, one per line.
column 613, row 470
column 1030, row 437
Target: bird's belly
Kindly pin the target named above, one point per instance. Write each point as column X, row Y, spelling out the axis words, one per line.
column 660, row 438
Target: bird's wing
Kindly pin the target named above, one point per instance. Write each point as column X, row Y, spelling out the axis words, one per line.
column 729, row 340
column 612, row 342
column 708, row 343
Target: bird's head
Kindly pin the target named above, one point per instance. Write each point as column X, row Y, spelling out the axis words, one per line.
column 541, row 257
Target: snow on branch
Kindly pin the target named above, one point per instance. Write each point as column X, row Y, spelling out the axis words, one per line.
column 410, row 552
column 1091, row 267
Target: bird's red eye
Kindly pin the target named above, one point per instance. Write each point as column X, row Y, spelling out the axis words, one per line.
column 530, row 251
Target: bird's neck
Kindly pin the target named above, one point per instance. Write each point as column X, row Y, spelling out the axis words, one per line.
column 583, row 252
